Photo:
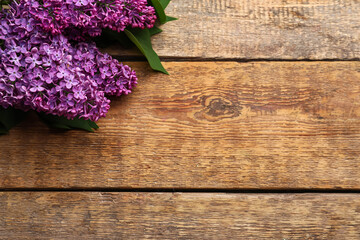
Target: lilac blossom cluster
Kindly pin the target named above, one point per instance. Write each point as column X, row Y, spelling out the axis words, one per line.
column 48, row 73
column 80, row 18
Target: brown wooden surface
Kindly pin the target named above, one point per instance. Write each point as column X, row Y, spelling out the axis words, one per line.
column 265, row 29
column 207, row 125
column 49, row 215
column 210, row 127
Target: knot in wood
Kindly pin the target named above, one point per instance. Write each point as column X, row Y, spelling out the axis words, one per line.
column 217, row 108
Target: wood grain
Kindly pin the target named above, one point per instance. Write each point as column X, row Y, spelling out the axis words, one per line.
column 207, row 125
column 260, row 29
column 44, row 215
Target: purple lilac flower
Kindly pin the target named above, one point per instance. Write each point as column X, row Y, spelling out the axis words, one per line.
column 48, row 74
column 80, row 18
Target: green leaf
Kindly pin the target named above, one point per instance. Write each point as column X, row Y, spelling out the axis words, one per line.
column 154, row 30
column 164, row 3
column 66, row 124
column 141, row 38
column 169, row 19
column 93, row 125
column 160, row 10
column 9, row 118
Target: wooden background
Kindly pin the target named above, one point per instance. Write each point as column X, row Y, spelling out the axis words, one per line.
column 255, row 134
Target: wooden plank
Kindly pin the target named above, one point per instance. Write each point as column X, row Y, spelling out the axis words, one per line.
column 260, row 29
column 94, row 215
column 207, row 125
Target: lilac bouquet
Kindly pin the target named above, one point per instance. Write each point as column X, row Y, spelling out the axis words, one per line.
column 50, row 62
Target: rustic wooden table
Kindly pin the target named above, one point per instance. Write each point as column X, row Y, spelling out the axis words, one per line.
column 254, row 135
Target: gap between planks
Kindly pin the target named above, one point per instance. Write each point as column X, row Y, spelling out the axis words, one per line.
column 238, row 60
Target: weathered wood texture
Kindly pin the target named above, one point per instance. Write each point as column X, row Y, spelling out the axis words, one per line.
column 207, row 125
column 45, row 215
column 265, row 29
